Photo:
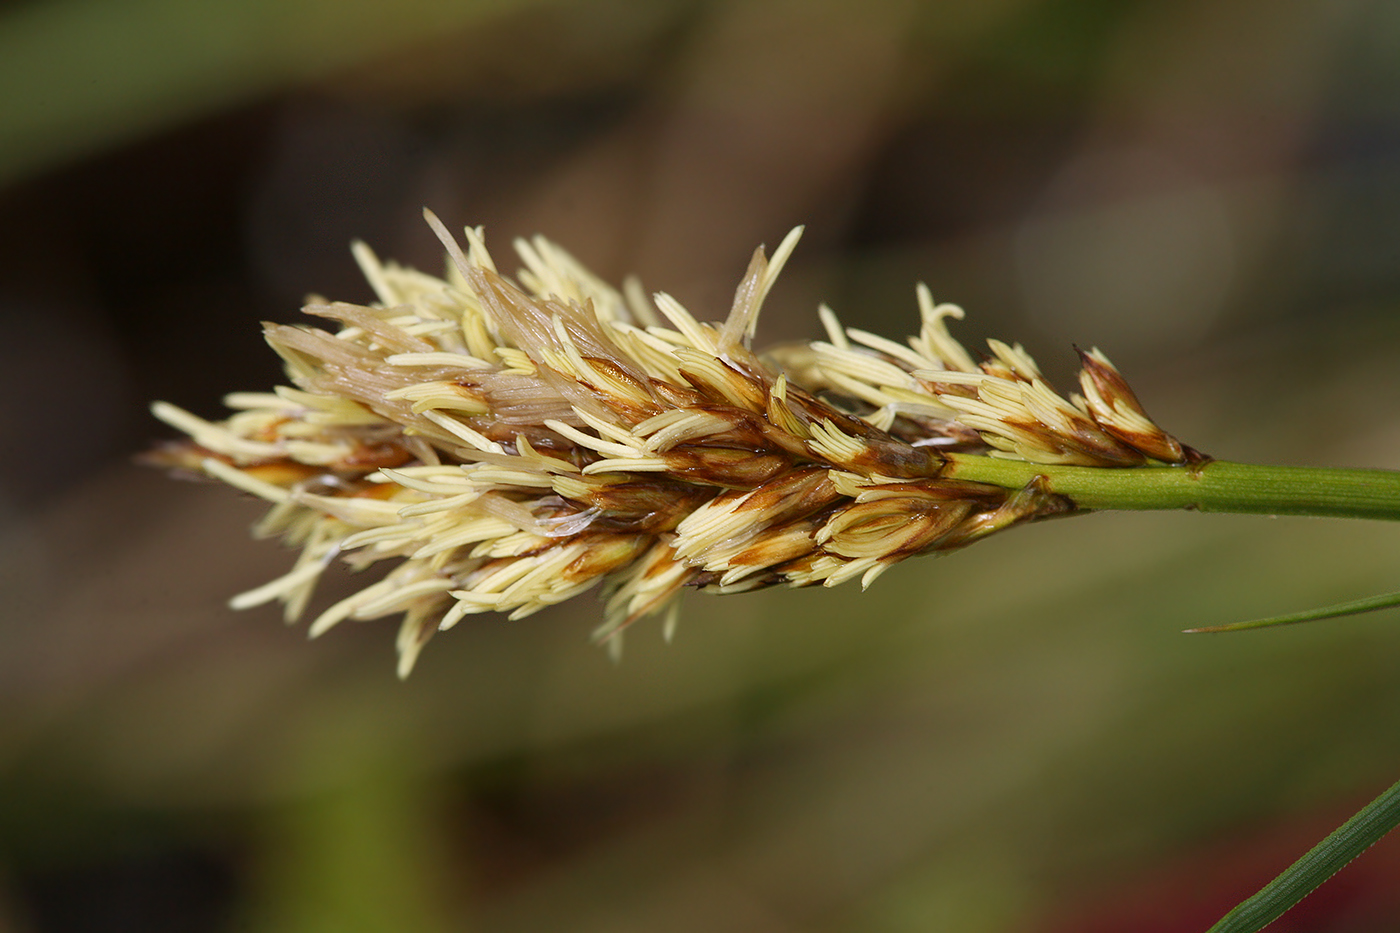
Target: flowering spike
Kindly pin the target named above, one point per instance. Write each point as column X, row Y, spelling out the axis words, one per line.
column 510, row 444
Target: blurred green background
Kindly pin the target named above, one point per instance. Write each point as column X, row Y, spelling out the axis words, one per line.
column 1014, row 738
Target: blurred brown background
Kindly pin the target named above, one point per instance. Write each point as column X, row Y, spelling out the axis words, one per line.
column 1015, row 738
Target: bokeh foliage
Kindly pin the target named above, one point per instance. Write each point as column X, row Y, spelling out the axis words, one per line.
column 1013, row 738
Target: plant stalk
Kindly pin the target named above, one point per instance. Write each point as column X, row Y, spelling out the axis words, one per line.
column 1216, row 486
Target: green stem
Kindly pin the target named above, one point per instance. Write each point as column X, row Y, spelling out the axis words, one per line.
column 1217, row 486
column 1220, row 486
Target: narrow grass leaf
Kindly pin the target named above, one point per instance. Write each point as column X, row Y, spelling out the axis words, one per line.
column 1355, row 607
column 1323, row 861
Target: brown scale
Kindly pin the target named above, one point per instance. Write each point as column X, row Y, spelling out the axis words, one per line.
column 605, row 553
column 747, row 430
column 726, row 467
column 892, row 528
column 1159, row 445
column 791, row 540
column 638, row 504
column 889, row 456
column 949, row 490
column 800, row 493
column 371, row 457
column 753, row 392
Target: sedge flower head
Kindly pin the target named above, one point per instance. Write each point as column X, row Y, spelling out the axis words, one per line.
column 509, row 444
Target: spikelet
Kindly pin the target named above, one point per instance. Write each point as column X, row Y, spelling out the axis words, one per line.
column 510, row 444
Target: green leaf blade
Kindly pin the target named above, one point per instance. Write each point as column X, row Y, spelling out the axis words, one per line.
column 1321, row 862
column 1355, row 607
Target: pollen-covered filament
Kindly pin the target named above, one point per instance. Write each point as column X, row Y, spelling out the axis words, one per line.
column 511, row 445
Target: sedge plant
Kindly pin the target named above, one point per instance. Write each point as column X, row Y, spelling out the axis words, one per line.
column 510, row 444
